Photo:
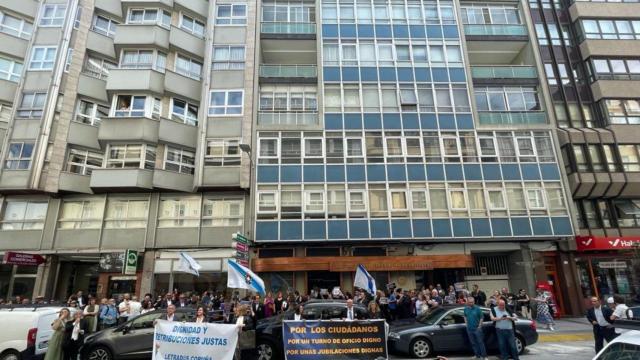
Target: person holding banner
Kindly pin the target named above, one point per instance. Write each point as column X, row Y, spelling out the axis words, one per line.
column 201, row 316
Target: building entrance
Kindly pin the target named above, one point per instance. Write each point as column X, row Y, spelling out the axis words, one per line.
column 323, row 280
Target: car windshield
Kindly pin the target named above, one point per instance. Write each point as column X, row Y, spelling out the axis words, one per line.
column 432, row 316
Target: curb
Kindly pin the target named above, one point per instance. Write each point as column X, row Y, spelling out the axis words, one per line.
column 583, row 336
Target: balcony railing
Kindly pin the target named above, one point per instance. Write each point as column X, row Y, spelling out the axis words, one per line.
column 504, row 72
column 286, row 71
column 287, row 118
column 288, row 28
column 512, row 118
column 495, row 30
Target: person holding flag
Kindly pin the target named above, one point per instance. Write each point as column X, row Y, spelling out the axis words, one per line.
column 365, row 281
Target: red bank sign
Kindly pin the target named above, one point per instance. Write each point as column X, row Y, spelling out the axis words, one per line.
column 587, row 243
column 16, row 258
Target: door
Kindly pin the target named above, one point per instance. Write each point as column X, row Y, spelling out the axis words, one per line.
column 554, row 281
column 452, row 332
column 137, row 340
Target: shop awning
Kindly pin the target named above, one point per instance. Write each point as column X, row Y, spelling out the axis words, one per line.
column 372, row 263
column 590, row 243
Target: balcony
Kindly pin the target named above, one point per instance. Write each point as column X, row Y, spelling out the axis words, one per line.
column 92, row 87
column 136, row 35
column 14, row 46
column 496, row 32
column 512, row 118
column 126, row 4
column 23, row 7
column 134, row 129
column 615, row 89
column 507, row 75
column 7, row 91
column 146, row 80
column 83, row 134
column 196, row 6
column 288, row 73
column 182, row 85
column 287, row 30
column 110, row 6
column 100, row 44
column 281, row 119
column 121, row 179
column 178, row 133
column 186, row 42
column 71, row 182
column 170, row 180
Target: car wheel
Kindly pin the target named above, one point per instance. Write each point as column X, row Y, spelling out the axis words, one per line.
column 420, row 348
column 266, row 350
column 100, row 353
column 520, row 344
column 10, row 355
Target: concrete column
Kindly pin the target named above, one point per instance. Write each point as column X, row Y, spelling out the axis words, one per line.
column 47, row 278
column 568, row 275
column 146, row 280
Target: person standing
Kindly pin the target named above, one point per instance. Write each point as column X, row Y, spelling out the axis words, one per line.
column 522, row 304
column 124, row 308
column 621, row 311
column 351, row 313
column 297, row 313
column 109, row 315
column 505, row 331
column 201, row 315
column 544, row 315
column 75, row 331
column 269, row 305
column 91, row 312
column 473, row 317
column 393, row 305
column 278, row 302
column 56, row 342
column 600, row 317
column 257, row 310
column 478, row 295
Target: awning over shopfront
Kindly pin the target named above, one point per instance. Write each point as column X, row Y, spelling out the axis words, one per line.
column 372, row 263
column 591, row 243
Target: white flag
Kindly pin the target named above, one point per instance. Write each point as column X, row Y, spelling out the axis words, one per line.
column 364, row 280
column 188, row 264
column 240, row 277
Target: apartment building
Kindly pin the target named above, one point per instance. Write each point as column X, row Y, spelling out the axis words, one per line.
column 591, row 56
column 121, row 123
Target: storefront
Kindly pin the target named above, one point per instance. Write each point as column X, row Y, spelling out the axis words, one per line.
column 608, row 266
column 18, row 275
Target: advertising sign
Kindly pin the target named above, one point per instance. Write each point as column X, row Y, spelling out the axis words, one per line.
column 206, row 341
column 17, row 258
column 335, row 340
column 587, row 243
column 130, row 262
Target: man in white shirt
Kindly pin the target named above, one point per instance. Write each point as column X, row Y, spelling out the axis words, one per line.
column 135, row 307
column 124, row 309
column 351, row 312
column 621, row 312
column 600, row 318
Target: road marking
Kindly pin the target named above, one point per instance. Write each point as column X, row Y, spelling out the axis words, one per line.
column 546, row 338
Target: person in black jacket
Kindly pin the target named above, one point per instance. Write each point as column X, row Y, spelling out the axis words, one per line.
column 599, row 316
column 75, row 331
column 257, row 309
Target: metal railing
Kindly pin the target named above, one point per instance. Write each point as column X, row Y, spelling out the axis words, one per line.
column 287, row 28
column 284, row 71
column 512, row 117
column 287, row 118
column 495, row 29
column 504, row 72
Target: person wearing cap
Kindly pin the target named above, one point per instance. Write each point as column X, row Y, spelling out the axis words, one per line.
column 610, row 303
column 600, row 317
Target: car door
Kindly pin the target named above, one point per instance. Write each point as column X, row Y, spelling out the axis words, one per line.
column 135, row 341
column 489, row 331
column 451, row 333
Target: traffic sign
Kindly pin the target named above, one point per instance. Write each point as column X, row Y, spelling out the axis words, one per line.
column 243, row 262
column 242, row 247
column 242, row 255
column 240, row 238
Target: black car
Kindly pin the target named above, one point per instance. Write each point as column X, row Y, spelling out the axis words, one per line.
column 269, row 331
column 134, row 338
column 444, row 330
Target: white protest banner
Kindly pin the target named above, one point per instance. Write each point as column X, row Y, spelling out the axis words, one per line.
column 174, row 340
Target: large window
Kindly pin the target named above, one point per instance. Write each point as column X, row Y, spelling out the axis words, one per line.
column 31, row 105
column 615, row 69
column 97, row 67
column 136, row 106
column 231, row 14
column 188, row 67
column 19, row 156
column 179, row 160
column 194, row 26
column 184, row 111
column 622, row 111
column 629, row 157
column 131, row 156
column 90, row 113
column 104, row 25
column 10, row 69
column 24, row 215
column 222, row 152
column 179, row 212
column 228, row 57
column 42, row 57
column 126, row 214
column 226, row 102
column 223, row 212
column 52, row 14
column 149, row 16
column 83, row 161
column 143, row 59
column 288, row 99
column 518, row 98
column 288, row 13
column 493, row 14
column 610, row 29
column 81, row 214
column 15, row 26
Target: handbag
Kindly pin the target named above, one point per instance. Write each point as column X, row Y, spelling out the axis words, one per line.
column 247, row 339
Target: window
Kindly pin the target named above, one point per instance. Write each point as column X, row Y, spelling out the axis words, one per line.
column 81, row 214
column 581, row 162
column 622, row 111
column 629, row 157
column 525, row 150
column 184, row 112
column 136, row 106
column 24, row 215
column 450, row 148
column 52, row 14
column 42, row 57
column 68, row 60
column 496, row 199
column 149, row 16
column 314, row 201
column 615, row 69
column 357, row 201
column 31, row 105
column 223, row 212
column 19, row 156
column 488, row 151
column 419, row 200
column 188, row 67
column 313, row 148
column 143, row 59
column 126, row 214
column 15, row 26
column 232, row 14
column 609, row 29
column 179, row 160
column 267, row 202
column 10, row 69
column 179, row 212
column 222, row 152
column 97, row 67
column 268, row 148
column 131, row 156
column 228, row 57
column 398, row 200
column 83, row 162
column 103, row 25
column 535, row 198
column 196, row 27
column 226, row 102
column 90, row 113
column 518, row 98
column 77, row 19
column 610, row 158
column 457, row 198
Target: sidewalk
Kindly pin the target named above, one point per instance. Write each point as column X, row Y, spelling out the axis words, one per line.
column 567, row 329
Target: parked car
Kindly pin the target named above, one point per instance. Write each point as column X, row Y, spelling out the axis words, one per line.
column 443, row 330
column 269, row 331
column 623, row 347
column 636, row 312
column 28, row 331
column 134, row 338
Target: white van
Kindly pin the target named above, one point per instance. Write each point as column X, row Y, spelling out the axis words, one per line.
column 25, row 331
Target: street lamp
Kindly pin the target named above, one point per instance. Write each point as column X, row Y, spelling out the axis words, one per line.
column 246, row 148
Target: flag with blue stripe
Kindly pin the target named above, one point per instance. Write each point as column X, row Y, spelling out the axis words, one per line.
column 364, row 280
column 240, row 277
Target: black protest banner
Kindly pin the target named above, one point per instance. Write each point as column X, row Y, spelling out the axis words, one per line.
column 336, row 340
